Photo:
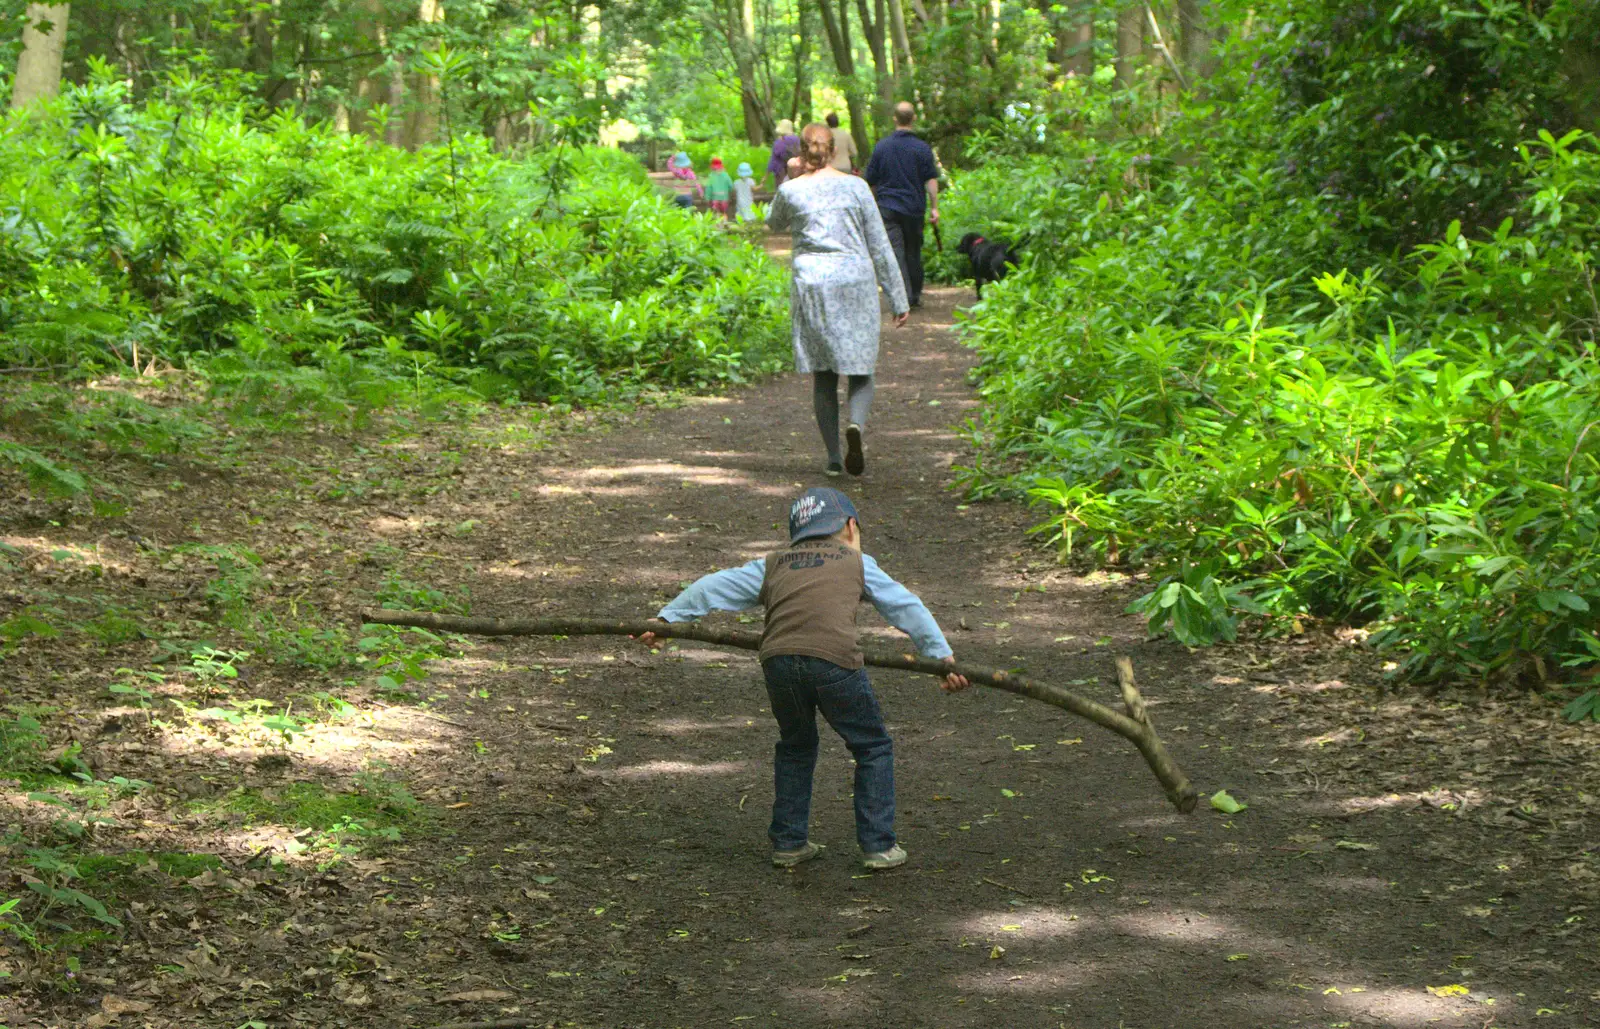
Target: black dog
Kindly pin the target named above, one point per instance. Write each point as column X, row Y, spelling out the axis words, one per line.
column 990, row 258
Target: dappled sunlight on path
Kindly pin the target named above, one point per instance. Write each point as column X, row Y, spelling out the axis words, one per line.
column 590, row 844
column 1049, row 882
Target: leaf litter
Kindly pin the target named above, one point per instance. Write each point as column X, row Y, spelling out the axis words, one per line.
column 1488, row 795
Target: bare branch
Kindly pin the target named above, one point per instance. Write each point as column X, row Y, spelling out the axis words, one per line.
column 1135, row 726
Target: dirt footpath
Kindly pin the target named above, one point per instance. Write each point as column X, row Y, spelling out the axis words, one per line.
column 599, row 857
column 1049, row 882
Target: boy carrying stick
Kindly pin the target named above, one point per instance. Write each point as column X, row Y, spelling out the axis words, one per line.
column 811, row 662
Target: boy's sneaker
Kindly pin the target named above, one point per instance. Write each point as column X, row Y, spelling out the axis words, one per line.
column 855, row 462
column 894, row 857
column 834, row 470
column 790, row 858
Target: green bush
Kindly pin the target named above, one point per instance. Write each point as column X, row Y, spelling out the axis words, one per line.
column 310, row 806
column 294, row 265
column 1401, row 118
column 1410, row 447
column 126, row 868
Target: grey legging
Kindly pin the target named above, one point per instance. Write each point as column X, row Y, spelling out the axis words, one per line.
column 825, row 399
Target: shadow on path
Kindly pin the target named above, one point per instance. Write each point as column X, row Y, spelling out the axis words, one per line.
column 1049, row 883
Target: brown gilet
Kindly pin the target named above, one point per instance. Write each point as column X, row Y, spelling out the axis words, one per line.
column 811, row 592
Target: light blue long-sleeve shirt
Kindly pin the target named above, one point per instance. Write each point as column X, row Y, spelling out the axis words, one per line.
column 737, row 589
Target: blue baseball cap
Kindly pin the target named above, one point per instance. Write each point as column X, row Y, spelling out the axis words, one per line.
column 819, row 511
column 745, row 170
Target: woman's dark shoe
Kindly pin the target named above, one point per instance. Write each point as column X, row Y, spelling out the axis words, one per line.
column 855, row 462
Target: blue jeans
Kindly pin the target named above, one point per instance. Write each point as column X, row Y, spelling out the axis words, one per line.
column 798, row 687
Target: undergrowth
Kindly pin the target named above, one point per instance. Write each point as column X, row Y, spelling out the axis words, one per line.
column 338, row 268
column 191, row 253
column 331, row 826
column 1204, row 369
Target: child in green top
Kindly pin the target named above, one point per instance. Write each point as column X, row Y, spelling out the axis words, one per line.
column 719, row 188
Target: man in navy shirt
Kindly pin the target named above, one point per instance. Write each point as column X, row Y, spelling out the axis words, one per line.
column 905, row 179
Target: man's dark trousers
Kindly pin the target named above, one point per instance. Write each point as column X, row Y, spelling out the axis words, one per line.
column 905, row 236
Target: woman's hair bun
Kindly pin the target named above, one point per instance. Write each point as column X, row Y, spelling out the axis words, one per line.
column 816, row 145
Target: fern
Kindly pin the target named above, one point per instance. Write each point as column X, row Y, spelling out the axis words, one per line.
column 420, row 230
column 44, row 475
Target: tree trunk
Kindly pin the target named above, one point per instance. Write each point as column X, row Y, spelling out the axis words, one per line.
column 39, row 64
column 740, row 26
column 1061, row 42
column 873, row 30
column 981, row 33
column 261, row 48
column 270, row 37
column 1158, row 42
column 1195, row 38
column 1581, row 61
column 395, row 133
column 1080, row 33
column 594, row 30
column 1130, row 42
column 372, row 37
column 125, row 38
column 423, row 123
column 838, row 30
column 800, row 106
column 1131, row 723
column 904, row 64
column 889, row 70
column 748, row 86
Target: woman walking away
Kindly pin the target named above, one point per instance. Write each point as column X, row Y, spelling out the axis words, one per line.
column 841, row 255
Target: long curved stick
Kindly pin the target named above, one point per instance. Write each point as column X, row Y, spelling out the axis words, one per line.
column 1134, row 725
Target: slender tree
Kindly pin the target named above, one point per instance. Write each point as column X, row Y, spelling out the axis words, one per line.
column 837, row 26
column 740, row 25
column 873, row 29
column 1072, row 36
column 1130, row 42
column 44, row 41
column 904, row 63
column 423, row 121
column 1196, row 37
column 261, row 34
column 800, row 106
column 372, row 37
column 1080, row 53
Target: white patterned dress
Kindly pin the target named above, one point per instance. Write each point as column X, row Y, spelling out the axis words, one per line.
column 841, row 254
